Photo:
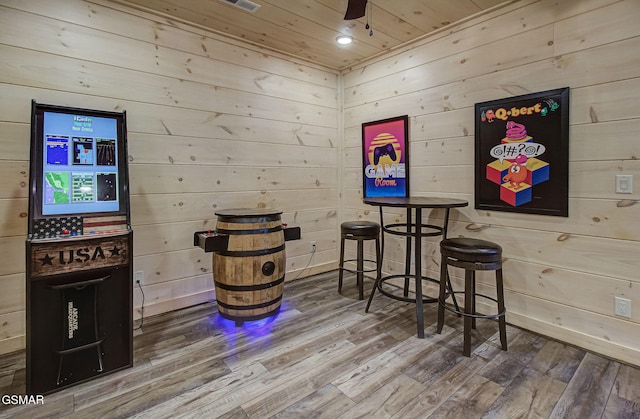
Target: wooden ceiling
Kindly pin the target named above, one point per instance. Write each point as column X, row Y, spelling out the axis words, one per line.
column 308, row 28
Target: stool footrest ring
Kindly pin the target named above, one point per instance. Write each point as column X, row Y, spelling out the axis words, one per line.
column 477, row 316
column 355, row 271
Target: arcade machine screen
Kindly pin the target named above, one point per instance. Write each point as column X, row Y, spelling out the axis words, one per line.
column 79, row 170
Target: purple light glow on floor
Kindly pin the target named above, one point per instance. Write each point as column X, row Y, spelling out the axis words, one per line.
column 252, row 329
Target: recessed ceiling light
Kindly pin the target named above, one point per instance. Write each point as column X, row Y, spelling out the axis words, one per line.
column 344, row 39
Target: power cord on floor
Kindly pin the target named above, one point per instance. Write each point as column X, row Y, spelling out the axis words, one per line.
column 313, row 252
column 141, row 307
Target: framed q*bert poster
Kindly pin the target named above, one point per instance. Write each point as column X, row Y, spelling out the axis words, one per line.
column 522, row 153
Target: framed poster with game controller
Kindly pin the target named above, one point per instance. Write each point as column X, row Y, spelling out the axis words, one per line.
column 385, row 157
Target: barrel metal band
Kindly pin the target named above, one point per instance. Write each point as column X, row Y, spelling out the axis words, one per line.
column 254, row 231
column 244, row 253
column 248, row 219
column 256, row 287
column 251, row 307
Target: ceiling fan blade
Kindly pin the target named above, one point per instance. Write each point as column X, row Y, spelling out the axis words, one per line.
column 355, row 9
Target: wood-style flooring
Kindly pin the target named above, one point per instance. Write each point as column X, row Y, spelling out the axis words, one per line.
column 324, row 357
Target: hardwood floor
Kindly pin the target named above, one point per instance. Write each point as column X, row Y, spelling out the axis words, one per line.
column 323, row 357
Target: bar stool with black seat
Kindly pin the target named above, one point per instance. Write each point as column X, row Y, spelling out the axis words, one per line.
column 471, row 255
column 359, row 231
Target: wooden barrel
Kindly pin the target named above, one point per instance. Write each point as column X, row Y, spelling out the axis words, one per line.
column 249, row 274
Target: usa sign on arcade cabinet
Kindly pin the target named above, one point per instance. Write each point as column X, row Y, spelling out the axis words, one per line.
column 385, row 157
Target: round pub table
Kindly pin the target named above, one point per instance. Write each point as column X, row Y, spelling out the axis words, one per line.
column 416, row 230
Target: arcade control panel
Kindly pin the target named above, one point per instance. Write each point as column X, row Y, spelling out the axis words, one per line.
column 76, row 226
column 211, row 241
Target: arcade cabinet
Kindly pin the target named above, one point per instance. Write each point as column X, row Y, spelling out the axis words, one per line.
column 79, row 248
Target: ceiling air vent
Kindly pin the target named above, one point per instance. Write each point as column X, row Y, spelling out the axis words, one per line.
column 246, row 5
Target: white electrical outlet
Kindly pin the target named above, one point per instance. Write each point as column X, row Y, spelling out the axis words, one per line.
column 138, row 277
column 622, row 307
column 313, row 245
column 624, row 183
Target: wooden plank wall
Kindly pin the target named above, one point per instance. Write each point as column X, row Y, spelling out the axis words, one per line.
column 561, row 273
column 212, row 124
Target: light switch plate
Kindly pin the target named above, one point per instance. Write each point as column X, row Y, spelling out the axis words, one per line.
column 624, row 183
column 622, row 307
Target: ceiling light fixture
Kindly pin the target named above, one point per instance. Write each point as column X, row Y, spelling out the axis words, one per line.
column 344, row 39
